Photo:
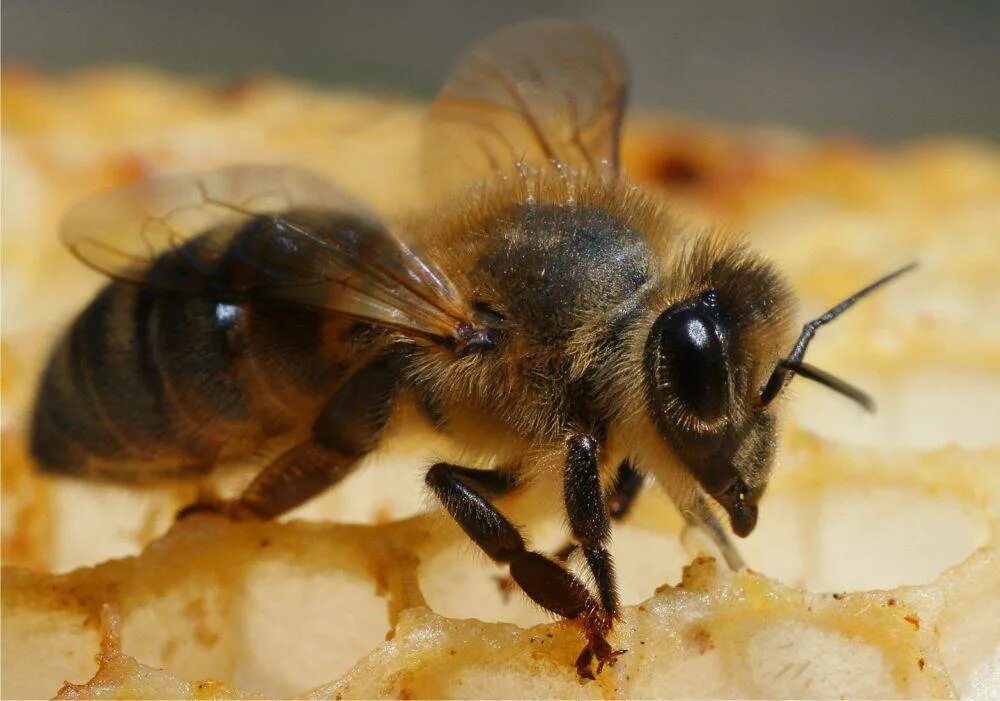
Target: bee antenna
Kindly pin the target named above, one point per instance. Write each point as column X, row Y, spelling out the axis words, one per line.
column 793, row 363
column 811, row 372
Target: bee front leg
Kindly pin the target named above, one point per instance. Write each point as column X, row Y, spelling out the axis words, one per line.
column 626, row 487
column 590, row 521
column 347, row 429
column 546, row 582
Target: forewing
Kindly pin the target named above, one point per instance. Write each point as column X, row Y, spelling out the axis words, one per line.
column 262, row 232
column 538, row 92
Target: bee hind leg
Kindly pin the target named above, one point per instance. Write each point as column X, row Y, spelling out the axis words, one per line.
column 348, row 428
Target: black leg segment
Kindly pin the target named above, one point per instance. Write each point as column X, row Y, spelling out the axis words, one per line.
column 588, row 516
column 585, row 507
column 626, row 487
column 497, row 482
column 481, row 521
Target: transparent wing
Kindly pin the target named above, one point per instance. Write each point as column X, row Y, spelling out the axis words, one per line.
column 263, row 232
column 549, row 90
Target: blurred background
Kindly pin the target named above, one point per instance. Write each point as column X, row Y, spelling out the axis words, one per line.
column 886, row 70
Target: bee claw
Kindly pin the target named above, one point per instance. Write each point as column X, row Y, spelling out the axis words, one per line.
column 605, row 657
column 610, row 660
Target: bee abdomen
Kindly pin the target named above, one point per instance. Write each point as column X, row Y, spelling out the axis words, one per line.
column 146, row 382
column 95, row 386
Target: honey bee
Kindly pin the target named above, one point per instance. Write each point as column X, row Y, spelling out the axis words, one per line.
column 544, row 312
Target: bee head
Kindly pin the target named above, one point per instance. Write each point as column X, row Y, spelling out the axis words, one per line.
column 707, row 356
column 715, row 361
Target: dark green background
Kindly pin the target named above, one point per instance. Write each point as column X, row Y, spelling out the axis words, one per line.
column 883, row 69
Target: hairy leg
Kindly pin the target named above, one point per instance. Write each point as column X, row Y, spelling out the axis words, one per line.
column 620, row 499
column 590, row 522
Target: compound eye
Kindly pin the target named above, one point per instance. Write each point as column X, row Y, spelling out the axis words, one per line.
column 691, row 359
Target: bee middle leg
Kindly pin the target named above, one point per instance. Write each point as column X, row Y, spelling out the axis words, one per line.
column 347, row 429
column 546, row 582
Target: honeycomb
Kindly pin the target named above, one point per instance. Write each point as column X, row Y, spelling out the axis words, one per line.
column 874, row 570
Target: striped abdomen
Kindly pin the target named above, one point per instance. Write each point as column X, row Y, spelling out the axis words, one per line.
column 147, row 383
